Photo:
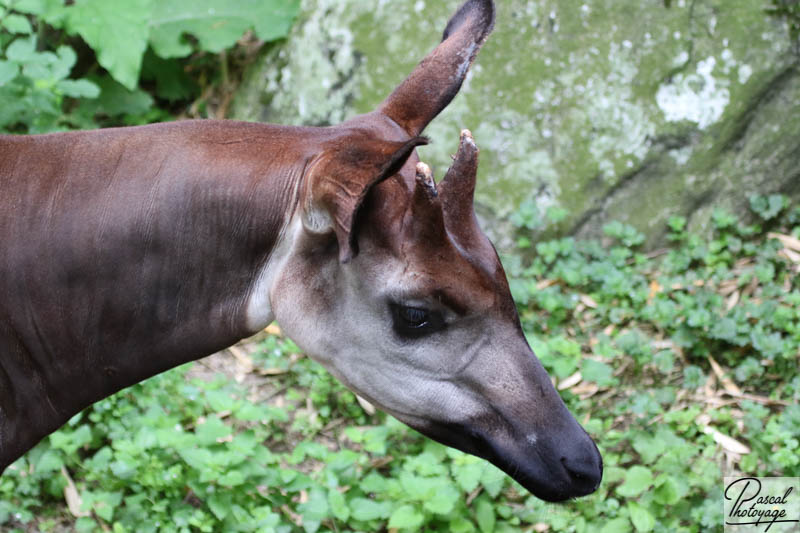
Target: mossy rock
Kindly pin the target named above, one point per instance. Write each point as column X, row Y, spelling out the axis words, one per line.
column 619, row 109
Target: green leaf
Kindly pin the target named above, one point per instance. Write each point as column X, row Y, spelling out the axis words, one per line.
column 493, row 479
column 22, row 50
column 459, row 524
column 443, row 500
column 37, row 7
column 78, row 88
column 468, row 474
column 364, row 509
column 484, row 513
column 8, row 71
column 406, row 517
column 598, row 372
column 172, row 82
column 315, row 510
column 648, row 447
column 117, row 32
column 217, row 24
column 618, row 525
column 232, row 478
column 50, row 461
column 641, row 517
column 666, row 492
column 338, row 505
column 212, row 430
column 220, row 400
column 220, row 504
column 637, row 480
column 103, row 503
column 115, row 100
column 17, row 24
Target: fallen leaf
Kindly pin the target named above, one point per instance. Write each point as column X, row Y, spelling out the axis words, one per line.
column 786, row 240
column 733, row 299
column 245, row 360
column 794, row 257
column 655, row 288
column 74, row 501
column 727, row 383
column 570, row 381
column 546, row 283
column 271, row 371
column 366, row 405
column 728, row 443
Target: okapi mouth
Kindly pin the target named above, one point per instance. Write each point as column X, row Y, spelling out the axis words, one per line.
column 553, row 468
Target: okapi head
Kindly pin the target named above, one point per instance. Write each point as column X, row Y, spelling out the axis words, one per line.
column 390, row 283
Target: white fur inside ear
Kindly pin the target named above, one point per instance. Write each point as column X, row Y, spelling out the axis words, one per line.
column 317, row 220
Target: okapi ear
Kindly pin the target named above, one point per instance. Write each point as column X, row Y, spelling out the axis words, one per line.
column 339, row 180
column 437, row 79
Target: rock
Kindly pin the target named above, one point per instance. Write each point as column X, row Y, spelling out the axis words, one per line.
column 616, row 110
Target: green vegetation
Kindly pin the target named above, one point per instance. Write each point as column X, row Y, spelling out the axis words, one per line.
column 97, row 63
column 682, row 364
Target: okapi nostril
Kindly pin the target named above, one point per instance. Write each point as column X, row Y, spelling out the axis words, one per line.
column 583, row 471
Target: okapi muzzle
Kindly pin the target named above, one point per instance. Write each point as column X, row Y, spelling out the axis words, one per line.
column 129, row 251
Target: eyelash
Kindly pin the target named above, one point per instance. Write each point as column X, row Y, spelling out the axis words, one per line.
column 413, row 322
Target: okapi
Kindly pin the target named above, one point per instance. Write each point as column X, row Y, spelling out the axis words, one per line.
column 129, row 251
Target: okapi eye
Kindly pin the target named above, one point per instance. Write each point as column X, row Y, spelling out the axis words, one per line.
column 414, row 322
column 414, row 316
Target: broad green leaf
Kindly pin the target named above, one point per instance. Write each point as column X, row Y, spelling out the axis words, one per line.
column 468, row 474
column 338, row 505
column 666, row 491
column 443, row 500
column 493, row 479
column 212, row 430
column 116, row 31
column 484, row 513
column 70, row 441
column 78, row 88
column 16, row 24
column 22, row 49
column 8, row 71
column 220, row 504
column 365, row 509
column 374, row 482
column 48, row 10
column 649, row 447
column 103, row 503
column 406, row 517
column 115, row 100
column 232, row 478
column 618, row 525
column 172, row 82
column 217, row 24
column 637, row 480
column 220, row 400
column 123, row 468
column 50, row 461
column 598, row 372
column 459, row 524
column 642, row 519
column 315, row 510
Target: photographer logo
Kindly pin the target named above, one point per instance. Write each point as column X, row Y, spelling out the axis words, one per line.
column 765, row 504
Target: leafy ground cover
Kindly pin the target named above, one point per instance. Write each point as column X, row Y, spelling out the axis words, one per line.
column 682, row 363
column 90, row 63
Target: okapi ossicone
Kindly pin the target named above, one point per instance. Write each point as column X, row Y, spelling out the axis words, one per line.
column 129, row 251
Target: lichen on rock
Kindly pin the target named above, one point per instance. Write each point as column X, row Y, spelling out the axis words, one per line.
column 617, row 109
